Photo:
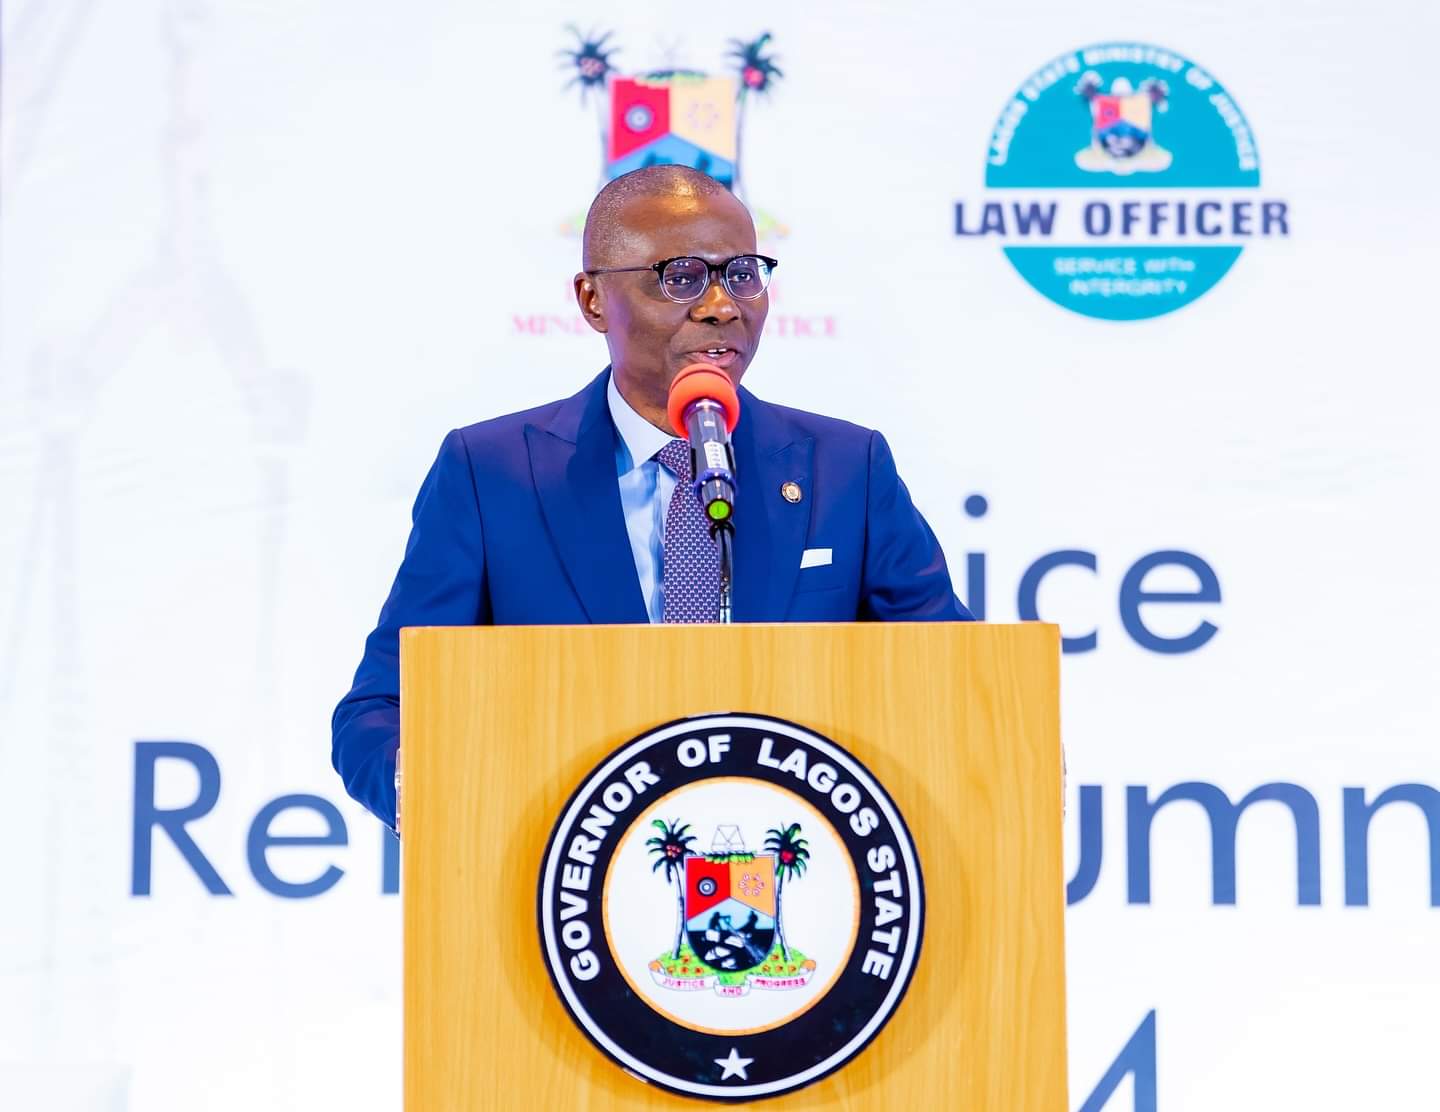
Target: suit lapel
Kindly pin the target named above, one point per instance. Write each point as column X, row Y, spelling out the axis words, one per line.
column 770, row 531
column 572, row 462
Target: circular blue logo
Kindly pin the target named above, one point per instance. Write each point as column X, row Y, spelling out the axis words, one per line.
column 1123, row 182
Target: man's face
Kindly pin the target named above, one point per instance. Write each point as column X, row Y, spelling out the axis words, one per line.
column 652, row 338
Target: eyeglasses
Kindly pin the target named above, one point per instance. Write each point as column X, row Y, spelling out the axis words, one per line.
column 687, row 278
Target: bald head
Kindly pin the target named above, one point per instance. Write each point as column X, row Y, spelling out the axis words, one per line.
column 666, row 212
column 626, row 209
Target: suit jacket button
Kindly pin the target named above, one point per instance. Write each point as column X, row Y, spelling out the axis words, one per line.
column 790, row 492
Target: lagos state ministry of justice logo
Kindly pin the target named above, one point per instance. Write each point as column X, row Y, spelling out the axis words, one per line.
column 1122, row 182
column 730, row 906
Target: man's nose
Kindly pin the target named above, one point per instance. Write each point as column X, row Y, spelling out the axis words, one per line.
column 715, row 305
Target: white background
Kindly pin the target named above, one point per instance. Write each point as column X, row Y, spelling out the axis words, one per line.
column 256, row 258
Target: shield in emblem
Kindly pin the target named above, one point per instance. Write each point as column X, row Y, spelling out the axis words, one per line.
column 730, row 910
column 1121, row 123
column 672, row 118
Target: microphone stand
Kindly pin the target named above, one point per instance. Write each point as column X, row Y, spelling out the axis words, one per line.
column 723, row 534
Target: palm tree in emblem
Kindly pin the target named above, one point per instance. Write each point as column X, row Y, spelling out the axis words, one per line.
column 758, row 72
column 670, row 848
column 791, row 853
column 590, row 65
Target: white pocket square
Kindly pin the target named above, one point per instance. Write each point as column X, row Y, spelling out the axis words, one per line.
column 816, row 557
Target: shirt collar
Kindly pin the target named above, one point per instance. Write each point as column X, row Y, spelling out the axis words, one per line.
column 638, row 437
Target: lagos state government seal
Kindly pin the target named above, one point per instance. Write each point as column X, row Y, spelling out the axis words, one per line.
column 730, row 906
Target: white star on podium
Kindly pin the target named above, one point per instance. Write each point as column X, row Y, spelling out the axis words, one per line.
column 734, row 1066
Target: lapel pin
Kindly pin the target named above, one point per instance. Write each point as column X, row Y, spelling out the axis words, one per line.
column 790, row 492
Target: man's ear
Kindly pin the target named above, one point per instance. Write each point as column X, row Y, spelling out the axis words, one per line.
column 592, row 305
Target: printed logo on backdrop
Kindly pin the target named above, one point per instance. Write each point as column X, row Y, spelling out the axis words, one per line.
column 731, row 907
column 1123, row 182
column 672, row 115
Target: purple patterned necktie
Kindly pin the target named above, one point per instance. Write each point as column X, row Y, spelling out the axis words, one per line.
column 691, row 573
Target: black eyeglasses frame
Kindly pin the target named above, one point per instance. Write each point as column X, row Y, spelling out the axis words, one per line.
column 710, row 268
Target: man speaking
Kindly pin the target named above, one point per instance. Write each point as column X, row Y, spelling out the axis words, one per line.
column 585, row 511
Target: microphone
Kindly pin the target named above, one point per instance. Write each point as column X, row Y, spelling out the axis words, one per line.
column 704, row 408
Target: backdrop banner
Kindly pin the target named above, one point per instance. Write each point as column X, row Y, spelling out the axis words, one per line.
column 1170, row 270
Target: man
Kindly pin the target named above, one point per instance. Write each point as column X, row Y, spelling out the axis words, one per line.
column 581, row 511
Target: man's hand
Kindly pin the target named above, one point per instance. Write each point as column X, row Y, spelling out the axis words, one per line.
column 397, row 793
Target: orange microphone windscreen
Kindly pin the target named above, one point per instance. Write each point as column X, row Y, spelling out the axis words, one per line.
column 700, row 380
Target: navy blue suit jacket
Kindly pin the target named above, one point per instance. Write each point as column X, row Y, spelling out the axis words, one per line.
column 519, row 523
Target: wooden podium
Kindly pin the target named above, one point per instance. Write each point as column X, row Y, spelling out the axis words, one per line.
column 959, row 721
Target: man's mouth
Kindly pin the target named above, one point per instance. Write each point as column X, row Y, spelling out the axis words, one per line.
column 720, row 355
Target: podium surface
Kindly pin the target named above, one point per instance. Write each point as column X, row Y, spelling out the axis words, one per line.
column 958, row 721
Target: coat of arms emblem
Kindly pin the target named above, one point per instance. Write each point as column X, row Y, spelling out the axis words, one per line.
column 673, row 115
column 730, row 906
column 729, row 936
column 673, row 118
column 1122, row 133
